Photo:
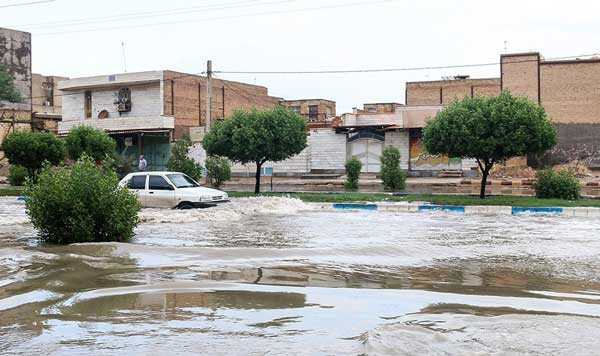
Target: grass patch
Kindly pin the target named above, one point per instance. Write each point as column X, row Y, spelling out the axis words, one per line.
column 438, row 199
column 10, row 191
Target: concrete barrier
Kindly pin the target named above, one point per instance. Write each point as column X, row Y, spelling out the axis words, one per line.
column 469, row 210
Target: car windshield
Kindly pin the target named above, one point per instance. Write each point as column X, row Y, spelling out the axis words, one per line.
column 182, row 181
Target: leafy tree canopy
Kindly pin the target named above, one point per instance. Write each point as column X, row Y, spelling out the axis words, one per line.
column 257, row 136
column 93, row 142
column 179, row 160
column 32, row 149
column 490, row 130
column 8, row 92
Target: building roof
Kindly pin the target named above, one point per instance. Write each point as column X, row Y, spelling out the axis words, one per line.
column 110, row 80
column 290, row 100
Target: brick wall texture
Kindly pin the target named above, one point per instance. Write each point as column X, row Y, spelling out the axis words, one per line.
column 442, row 92
column 185, row 99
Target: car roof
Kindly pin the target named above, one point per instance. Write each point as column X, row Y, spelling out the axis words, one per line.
column 152, row 172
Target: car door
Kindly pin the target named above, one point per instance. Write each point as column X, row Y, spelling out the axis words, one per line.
column 137, row 184
column 161, row 193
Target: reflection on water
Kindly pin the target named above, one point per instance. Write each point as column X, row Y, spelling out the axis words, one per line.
column 274, row 276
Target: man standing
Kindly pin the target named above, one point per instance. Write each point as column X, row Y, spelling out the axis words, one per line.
column 142, row 164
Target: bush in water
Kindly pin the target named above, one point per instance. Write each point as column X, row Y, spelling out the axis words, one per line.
column 392, row 176
column 83, row 203
column 218, row 170
column 559, row 185
column 353, row 167
column 179, row 160
column 16, row 174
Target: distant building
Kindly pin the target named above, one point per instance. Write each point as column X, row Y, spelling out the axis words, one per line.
column 145, row 111
column 567, row 89
column 317, row 112
column 46, row 102
column 377, row 108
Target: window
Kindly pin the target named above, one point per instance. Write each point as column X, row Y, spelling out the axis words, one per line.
column 313, row 113
column 137, row 182
column 87, row 103
column 182, row 181
column 158, row 183
column 295, row 109
column 372, row 110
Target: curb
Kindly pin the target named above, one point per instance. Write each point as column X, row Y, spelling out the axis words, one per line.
column 469, row 209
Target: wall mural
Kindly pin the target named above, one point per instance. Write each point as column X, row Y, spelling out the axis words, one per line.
column 421, row 160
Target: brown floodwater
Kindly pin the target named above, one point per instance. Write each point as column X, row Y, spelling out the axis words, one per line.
column 275, row 276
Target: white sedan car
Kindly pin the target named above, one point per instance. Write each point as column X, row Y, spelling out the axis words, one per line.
column 171, row 190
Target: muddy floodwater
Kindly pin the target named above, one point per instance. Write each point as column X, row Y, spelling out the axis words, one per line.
column 275, row 276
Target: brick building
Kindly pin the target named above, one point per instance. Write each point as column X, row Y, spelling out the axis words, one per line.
column 145, row 111
column 318, row 112
column 377, row 108
column 567, row 89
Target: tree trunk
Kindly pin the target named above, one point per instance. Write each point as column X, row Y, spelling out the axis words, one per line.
column 257, row 184
column 485, row 168
column 484, row 177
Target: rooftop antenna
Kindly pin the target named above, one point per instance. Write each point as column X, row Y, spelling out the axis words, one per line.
column 124, row 61
column 505, row 46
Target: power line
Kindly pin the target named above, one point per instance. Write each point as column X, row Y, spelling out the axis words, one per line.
column 27, row 3
column 274, row 12
column 405, row 69
column 351, row 70
column 147, row 14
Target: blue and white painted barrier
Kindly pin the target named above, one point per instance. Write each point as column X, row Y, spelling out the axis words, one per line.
column 480, row 209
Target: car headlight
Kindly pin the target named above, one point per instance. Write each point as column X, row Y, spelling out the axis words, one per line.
column 205, row 199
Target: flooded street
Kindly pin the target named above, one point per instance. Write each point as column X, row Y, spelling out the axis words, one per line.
column 277, row 276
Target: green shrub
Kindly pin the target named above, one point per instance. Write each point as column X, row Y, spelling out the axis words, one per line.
column 392, row 176
column 353, row 167
column 218, row 170
column 179, row 160
column 16, row 174
column 31, row 149
column 83, row 203
column 557, row 185
column 93, row 142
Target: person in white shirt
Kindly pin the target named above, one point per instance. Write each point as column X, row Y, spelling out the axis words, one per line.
column 142, row 164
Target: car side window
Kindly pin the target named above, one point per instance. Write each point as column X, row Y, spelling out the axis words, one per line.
column 137, row 182
column 158, row 183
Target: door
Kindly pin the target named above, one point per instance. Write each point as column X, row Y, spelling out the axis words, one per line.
column 368, row 151
column 161, row 193
column 137, row 184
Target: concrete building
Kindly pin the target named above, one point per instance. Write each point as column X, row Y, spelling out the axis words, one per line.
column 318, row 112
column 15, row 55
column 145, row 111
column 46, row 102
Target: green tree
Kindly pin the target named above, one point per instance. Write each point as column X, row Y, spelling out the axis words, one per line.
column 83, row 203
column 32, row 149
column 490, row 130
column 353, row 167
column 257, row 136
column 93, row 142
column 218, row 170
column 392, row 176
column 8, row 92
column 179, row 160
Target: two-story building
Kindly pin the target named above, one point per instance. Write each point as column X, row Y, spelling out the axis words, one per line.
column 317, row 112
column 145, row 111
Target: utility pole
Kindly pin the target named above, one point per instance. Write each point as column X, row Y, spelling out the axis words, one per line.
column 208, row 93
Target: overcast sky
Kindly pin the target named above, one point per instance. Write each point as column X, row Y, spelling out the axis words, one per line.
column 268, row 35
